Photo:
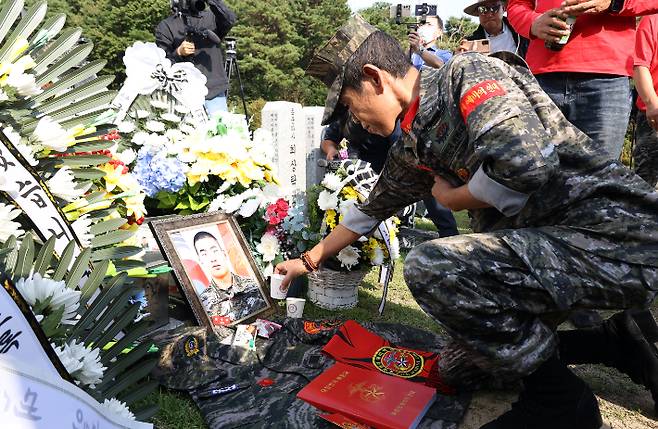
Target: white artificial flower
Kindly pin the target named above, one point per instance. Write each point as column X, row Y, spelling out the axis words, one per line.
column 82, row 227
column 395, row 249
column 126, row 127
column 332, row 181
column 63, row 185
column 155, row 126
column 142, row 114
column 187, row 128
column 140, row 137
column 127, row 156
column 159, row 104
column 232, row 204
column 24, row 83
column 183, row 110
column 328, row 200
column 27, row 152
column 170, row 117
column 118, row 408
column 36, row 289
column 268, row 247
column 3, row 96
column 268, row 270
column 81, row 363
column 51, row 135
column 175, row 135
column 378, row 256
column 7, row 225
column 348, row 257
column 249, row 207
column 217, row 204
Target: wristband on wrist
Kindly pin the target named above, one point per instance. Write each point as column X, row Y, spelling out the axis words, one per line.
column 308, row 262
column 421, row 49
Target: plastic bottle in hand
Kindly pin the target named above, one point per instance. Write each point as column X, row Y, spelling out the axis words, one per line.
column 559, row 45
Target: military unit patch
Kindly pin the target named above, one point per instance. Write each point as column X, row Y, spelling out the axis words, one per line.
column 191, row 346
column 314, row 328
column 399, row 362
column 478, row 94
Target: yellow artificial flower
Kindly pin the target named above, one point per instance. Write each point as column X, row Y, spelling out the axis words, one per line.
column 135, row 206
column 112, row 175
column 349, row 193
column 20, row 45
column 330, row 219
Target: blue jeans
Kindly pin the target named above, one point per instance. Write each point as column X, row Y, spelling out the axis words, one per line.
column 442, row 218
column 597, row 104
column 217, row 104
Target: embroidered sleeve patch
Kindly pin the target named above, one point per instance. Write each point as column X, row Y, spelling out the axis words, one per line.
column 478, row 94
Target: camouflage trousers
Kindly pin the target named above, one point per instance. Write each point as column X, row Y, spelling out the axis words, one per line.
column 503, row 308
column 645, row 152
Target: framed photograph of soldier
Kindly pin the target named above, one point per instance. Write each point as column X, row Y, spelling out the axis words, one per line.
column 214, row 268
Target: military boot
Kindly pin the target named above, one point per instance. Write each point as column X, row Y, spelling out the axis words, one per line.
column 625, row 342
column 553, row 397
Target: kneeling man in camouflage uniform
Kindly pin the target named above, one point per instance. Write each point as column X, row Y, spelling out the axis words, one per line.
column 559, row 227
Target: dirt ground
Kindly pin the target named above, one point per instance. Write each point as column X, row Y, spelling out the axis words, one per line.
column 624, row 404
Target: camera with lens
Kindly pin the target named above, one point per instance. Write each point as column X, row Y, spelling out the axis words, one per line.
column 191, row 7
column 414, row 15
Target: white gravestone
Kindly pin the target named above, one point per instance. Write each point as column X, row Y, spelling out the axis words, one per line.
column 314, row 129
column 285, row 121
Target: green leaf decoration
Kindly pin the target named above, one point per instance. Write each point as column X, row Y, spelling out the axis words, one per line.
column 45, row 256
column 25, row 27
column 87, row 173
column 128, row 378
column 50, row 324
column 110, row 238
column 64, row 43
column 115, row 253
column 93, row 281
column 64, row 262
column 120, row 323
column 8, row 15
column 111, row 312
column 73, row 58
column 95, row 102
column 25, row 258
column 139, row 392
column 125, row 359
column 106, row 226
column 82, row 92
column 84, row 160
column 48, row 30
column 80, row 75
column 78, row 269
column 11, row 258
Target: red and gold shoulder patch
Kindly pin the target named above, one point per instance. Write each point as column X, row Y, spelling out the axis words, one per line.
column 478, row 94
column 399, row 362
column 314, row 328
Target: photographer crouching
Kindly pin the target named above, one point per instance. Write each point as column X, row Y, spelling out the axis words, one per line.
column 193, row 33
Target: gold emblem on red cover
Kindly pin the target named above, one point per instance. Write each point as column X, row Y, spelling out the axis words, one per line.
column 368, row 392
column 399, row 362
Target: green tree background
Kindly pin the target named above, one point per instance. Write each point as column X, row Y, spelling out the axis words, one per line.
column 276, row 39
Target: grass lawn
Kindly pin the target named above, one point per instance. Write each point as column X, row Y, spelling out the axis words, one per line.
column 177, row 411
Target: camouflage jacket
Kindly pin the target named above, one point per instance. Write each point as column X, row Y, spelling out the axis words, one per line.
column 237, row 302
column 485, row 122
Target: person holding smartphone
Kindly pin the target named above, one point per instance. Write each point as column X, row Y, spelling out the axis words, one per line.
column 494, row 28
column 422, row 43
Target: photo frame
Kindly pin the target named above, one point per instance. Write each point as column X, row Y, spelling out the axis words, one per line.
column 214, row 268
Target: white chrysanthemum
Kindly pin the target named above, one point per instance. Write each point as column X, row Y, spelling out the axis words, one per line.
column 24, row 83
column 378, row 256
column 118, row 408
column 82, row 363
column 142, row 114
column 268, row 247
column 63, row 185
column 3, row 96
column 348, row 257
column 232, row 204
column 187, row 128
column 217, row 204
column 36, row 289
column 140, row 137
column 127, row 156
column 159, row 104
column 51, row 135
column 183, row 110
column 155, row 126
column 395, row 249
column 332, row 181
column 26, row 151
column 82, row 227
column 328, row 200
column 126, row 127
column 170, row 117
column 249, row 207
column 7, row 225
column 175, row 135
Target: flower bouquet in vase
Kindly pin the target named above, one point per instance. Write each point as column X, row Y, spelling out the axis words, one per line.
column 335, row 284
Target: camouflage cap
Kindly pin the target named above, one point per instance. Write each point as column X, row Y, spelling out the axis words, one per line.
column 329, row 61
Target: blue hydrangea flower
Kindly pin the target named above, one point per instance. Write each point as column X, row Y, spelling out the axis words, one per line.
column 156, row 172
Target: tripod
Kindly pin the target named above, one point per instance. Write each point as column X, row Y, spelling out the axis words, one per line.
column 231, row 64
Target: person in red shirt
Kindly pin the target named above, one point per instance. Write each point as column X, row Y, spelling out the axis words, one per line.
column 645, row 74
column 589, row 78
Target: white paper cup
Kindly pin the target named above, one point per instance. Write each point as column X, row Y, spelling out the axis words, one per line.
column 295, row 307
column 275, row 286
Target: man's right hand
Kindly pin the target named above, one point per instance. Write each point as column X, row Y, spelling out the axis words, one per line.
column 652, row 116
column 291, row 269
column 414, row 41
column 549, row 26
column 186, row 49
